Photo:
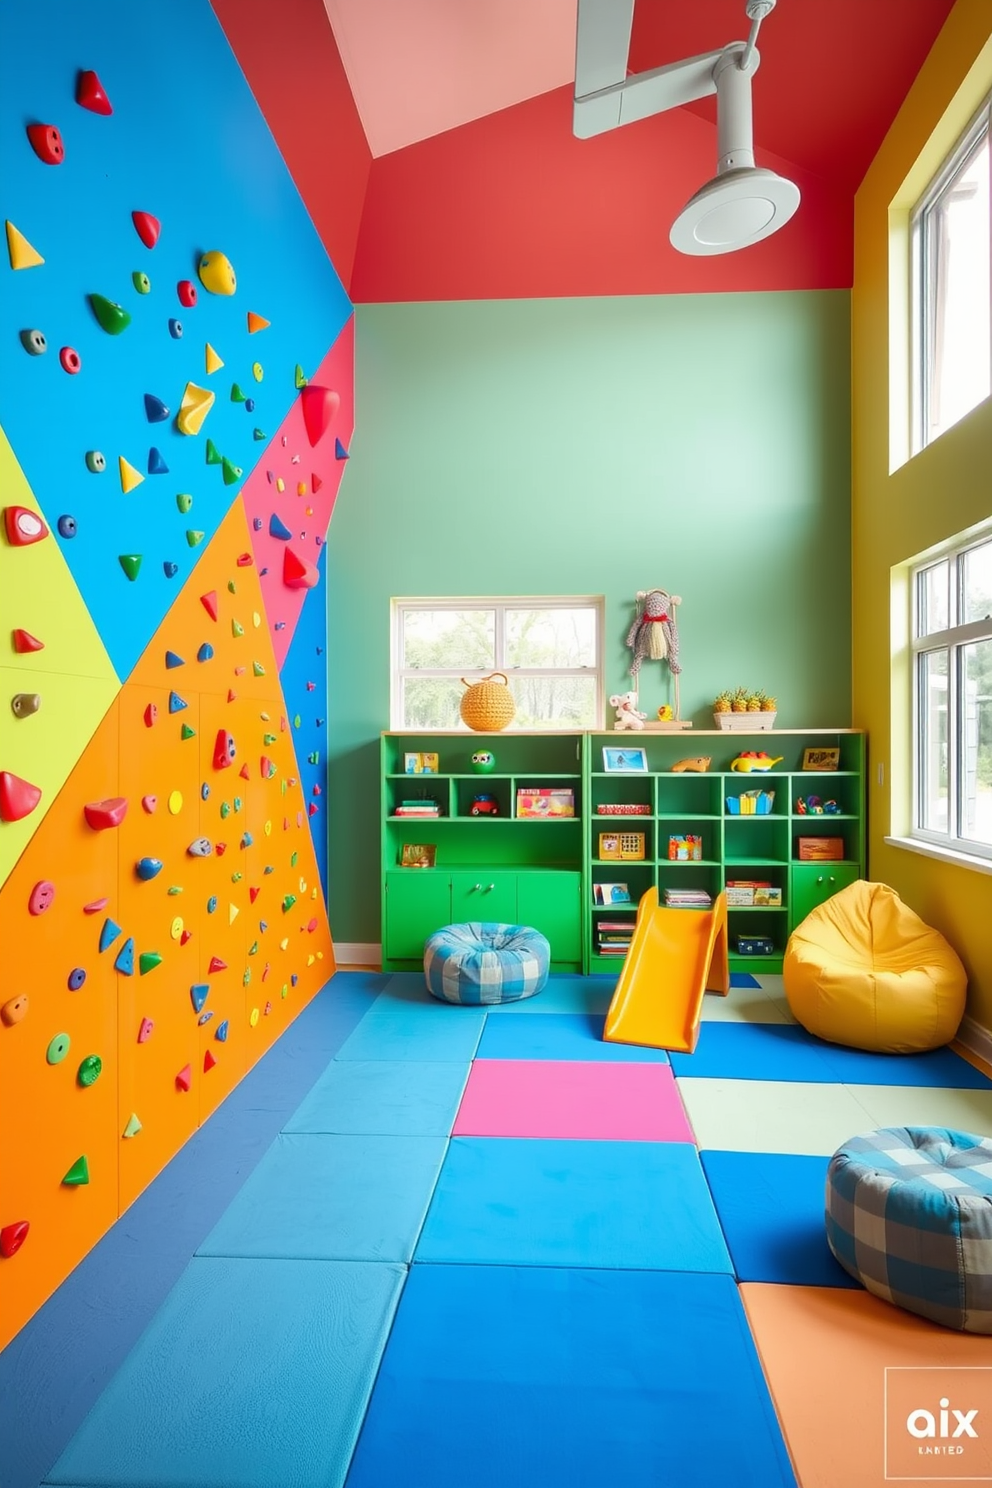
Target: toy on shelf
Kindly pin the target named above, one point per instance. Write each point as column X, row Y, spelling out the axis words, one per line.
column 751, row 803
column 483, row 762
column 626, row 809
column 699, row 763
column 813, row 806
column 654, row 636
column 687, row 848
column 625, row 846
column 754, row 759
column 628, row 717
column 484, row 804
column 744, row 710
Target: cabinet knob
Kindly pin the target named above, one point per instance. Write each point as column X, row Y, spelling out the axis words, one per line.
column 819, row 878
column 832, row 879
column 490, row 887
column 475, row 888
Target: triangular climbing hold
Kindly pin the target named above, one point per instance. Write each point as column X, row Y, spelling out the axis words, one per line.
column 209, row 603
column 212, row 361
column 208, row 1061
column 90, row 94
column 172, row 660
column 133, row 1126
column 20, row 251
column 176, row 703
column 78, row 1174
column 299, row 377
column 316, row 482
column 197, row 403
column 237, row 629
column 213, row 454
column 221, row 1034
column 257, row 669
column 113, row 318
column 24, row 642
column 156, row 462
column 108, row 934
column 258, row 434
column 129, row 476
column 278, row 528
column 194, row 537
column 184, row 1079
column 147, row 227
column 340, row 453
column 147, row 961
column 198, row 996
column 257, row 323
column 232, row 913
column 205, row 652
column 186, row 732
column 155, row 410
column 320, row 404
column 297, row 573
column 18, row 797
column 232, row 472
column 216, row 964
column 131, row 564
column 237, row 396
column 125, row 958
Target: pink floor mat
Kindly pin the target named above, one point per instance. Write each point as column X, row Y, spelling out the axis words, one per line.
column 587, row 1102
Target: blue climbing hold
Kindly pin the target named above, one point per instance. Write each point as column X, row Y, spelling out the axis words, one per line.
column 125, row 958
column 212, row 904
column 340, row 453
column 156, row 464
column 198, row 996
column 147, row 868
column 172, row 660
column 205, row 652
column 247, row 840
column 221, row 1033
column 108, row 934
column 176, row 703
column 170, row 569
column 204, row 1017
column 256, row 523
column 278, row 528
column 155, row 410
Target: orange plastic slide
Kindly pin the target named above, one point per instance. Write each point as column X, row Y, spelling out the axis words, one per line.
column 675, row 956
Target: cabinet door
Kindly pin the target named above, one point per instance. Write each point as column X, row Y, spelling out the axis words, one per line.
column 418, row 902
column 812, row 883
column 551, row 902
column 483, row 895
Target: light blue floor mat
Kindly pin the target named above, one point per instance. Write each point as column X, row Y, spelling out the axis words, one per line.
column 560, row 1036
column 399, row 1097
column 436, row 1034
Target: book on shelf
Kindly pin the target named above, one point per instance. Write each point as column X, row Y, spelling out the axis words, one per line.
column 612, row 950
column 688, row 899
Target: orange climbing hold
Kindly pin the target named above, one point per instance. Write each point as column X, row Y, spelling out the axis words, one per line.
column 257, row 323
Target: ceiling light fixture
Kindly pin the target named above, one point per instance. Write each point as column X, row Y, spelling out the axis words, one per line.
column 743, row 203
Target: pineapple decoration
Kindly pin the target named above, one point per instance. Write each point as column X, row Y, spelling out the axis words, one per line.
column 722, row 704
column 743, row 700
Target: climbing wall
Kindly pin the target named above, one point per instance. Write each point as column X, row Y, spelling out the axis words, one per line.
column 172, row 446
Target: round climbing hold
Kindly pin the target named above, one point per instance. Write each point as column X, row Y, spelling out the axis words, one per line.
column 254, row 1017
column 148, row 868
column 96, row 461
column 58, row 1048
column 176, row 802
column 90, row 1070
column 249, row 405
column 176, row 330
column 211, row 904
column 216, row 273
column 23, row 704
column 187, row 293
column 14, row 1011
column 42, row 897
column 76, row 978
column 256, row 371
column 176, row 928
column 34, row 342
column 141, row 282
column 67, row 525
column 71, row 360
column 204, row 792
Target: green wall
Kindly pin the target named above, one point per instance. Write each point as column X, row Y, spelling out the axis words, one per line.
column 699, row 444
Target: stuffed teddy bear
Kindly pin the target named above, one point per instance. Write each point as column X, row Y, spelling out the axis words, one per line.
column 627, row 714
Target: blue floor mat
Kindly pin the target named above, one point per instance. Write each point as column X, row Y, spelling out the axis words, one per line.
column 559, row 1036
column 743, row 979
column 784, row 1051
column 563, row 994
column 541, row 1202
column 436, row 1034
column 323, row 1197
column 496, row 1376
column 398, row 1097
column 771, row 1208
column 252, row 1374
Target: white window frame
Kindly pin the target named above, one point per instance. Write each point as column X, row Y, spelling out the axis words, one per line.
column 925, row 309
column 951, row 640
column 499, row 604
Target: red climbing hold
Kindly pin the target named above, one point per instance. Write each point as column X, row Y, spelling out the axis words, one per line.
column 18, row 797
column 243, row 772
column 95, row 906
column 208, row 1061
column 320, row 405
column 209, row 603
column 315, row 482
column 13, row 1236
column 147, row 227
column 223, row 750
column 253, row 894
column 150, row 715
column 184, row 1079
column 216, row 964
column 24, row 526
column 102, row 814
column 297, row 573
column 90, row 94
column 46, row 142
column 313, row 808
column 245, row 560
column 24, row 641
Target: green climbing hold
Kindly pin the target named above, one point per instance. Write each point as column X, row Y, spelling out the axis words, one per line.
column 258, row 434
column 147, row 961
column 232, row 587
column 237, row 803
column 174, row 888
column 257, row 669
column 297, row 721
column 187, row 732
column 112, row 317
column 213, row 453
column 246, row 978
column 253, row 949
column 299, row 379
column 225, row 810
column 237, row 629
column 89, row 1070
column 184, row 503
column 133, row 1125
column 193, row 537
column 141, row 282
column 130, row 563
column 292, row 861
column 268, row 738
column 232, row 472
column 288, row 901
column 237, row 396
column 78, row 1174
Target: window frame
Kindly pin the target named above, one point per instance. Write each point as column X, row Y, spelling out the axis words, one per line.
column 402, row 605
column 922, row 223
column 952, row 640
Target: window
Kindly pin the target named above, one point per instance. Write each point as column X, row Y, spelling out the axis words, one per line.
column 952, row 644
column 549, row 648
column 951, row 276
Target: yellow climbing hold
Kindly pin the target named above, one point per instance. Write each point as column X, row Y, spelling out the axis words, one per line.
column 176, row 802
column 301, row 490
column 217, row 273
column 129, row 476
column 254, row 1017
column 20, row 251
column 197, row 403
column 256, row 371
column 267, row 829
column 280, row 484
column 284, row 944
column 213, row 361
column 232, row 913
column 176, row 928
column 256, row 619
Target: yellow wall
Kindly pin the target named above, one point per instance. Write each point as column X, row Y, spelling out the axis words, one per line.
column 902, row 506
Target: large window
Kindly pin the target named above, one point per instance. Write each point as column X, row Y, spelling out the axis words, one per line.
column 952, row 272
column 549, row 648
column 952, row 644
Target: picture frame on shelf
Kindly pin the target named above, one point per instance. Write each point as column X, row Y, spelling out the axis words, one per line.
column 424, row 762
column 821, row 759
column 418, row 855
column 626, row 760
column 610, row 893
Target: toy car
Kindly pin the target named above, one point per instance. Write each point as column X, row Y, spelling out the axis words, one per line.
column 484, row 805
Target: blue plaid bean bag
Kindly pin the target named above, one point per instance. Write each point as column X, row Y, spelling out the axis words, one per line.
column 909, row 1214
column 486, row 963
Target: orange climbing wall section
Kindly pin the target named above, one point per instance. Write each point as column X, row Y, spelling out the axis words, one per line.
column 225, row 947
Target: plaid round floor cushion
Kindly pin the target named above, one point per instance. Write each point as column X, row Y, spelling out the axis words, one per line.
column 909, row 1214
column 485, row 963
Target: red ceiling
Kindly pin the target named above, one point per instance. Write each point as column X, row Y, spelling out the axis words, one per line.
column 833, row 72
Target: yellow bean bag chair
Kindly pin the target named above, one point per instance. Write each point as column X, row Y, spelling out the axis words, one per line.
column 863, row 970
